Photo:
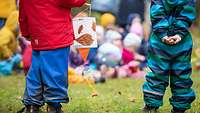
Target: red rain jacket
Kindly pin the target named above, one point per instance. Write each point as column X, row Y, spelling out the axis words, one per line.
column 47, row 22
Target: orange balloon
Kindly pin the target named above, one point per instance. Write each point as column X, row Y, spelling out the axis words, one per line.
column 84, row 53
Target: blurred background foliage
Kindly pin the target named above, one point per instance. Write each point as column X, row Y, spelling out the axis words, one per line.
column 97, row 14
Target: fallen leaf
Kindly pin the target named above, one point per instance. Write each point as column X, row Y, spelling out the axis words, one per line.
column 94, row 94
column 19, row 98
column 132, row 99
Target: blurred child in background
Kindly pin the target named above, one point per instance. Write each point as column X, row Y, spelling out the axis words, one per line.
column 114, row 38
column 109, row 54
column 130, row 58
column 109, row 58
column 9, row 46
column 108, row 20
column 135, row 25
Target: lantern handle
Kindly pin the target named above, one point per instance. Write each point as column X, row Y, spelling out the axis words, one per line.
column 89, row 8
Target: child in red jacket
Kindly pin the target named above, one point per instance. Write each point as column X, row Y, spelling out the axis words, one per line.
column 48, row 24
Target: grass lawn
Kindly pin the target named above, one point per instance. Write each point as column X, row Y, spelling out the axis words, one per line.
column 115, row 96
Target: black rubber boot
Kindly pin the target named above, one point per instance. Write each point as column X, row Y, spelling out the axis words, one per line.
column 177, row 111
column 149, row 109
column 52, row 109
column 32, row 109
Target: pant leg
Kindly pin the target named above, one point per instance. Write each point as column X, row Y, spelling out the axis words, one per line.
column 157, row 79
column 181, row 83
column 54, row 68
column 33, row 90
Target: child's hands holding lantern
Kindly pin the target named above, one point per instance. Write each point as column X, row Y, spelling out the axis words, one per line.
column 172, row 40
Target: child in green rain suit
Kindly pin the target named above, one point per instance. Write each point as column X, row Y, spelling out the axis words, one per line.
column 169, row 56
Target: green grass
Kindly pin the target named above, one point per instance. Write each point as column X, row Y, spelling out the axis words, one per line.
column 115, row 96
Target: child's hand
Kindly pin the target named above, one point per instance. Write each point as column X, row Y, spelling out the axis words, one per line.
column 171, row 40
column 176, row 39
column 168, row 40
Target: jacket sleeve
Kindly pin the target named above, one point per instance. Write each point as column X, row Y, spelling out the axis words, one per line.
column 159, row 18
column 23, row 20
column 185, row 18
column 70, row 3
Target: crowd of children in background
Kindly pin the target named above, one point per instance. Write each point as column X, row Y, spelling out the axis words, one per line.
column 120, row 52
